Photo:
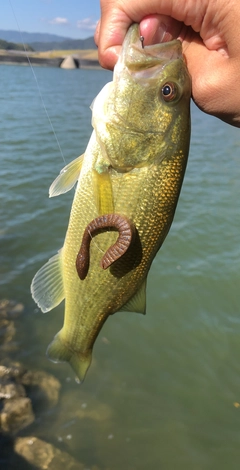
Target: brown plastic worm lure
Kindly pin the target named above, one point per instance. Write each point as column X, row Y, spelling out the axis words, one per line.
column 108, row 221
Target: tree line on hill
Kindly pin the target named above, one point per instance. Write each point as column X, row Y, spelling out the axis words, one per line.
column 7, row 46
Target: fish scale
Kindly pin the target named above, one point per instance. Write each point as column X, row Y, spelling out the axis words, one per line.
column 133, row 166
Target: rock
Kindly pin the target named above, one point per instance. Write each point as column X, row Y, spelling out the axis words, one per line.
column 11, row 390
column 16, row 414
column 10, row 309
column 88, row 406
column 10, row 370
column 7, row 331
column 42, row 388
column 21, row 391
column 88, row 409
column 100, row 412
column 16, row 411
column 45, row 456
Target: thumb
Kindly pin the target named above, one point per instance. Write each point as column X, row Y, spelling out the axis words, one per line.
column 111, row 29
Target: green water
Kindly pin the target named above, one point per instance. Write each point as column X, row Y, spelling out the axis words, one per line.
column 164, row 385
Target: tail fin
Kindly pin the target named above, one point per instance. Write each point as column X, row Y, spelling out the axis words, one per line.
column 57, row 351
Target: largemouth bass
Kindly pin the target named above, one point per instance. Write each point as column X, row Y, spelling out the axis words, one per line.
column 129, row 179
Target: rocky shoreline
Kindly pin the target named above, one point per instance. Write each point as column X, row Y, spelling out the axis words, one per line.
column 27, row 397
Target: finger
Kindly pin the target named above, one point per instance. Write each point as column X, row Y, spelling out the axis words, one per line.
column 110, row 36
column 159, row 28
column 96, row 34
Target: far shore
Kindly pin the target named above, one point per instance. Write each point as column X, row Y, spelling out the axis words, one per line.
column 83, row 58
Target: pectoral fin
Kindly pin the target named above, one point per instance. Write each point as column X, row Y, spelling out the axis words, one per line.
column 102, row 187
column 67, row 178
column 138, row 302
column 58, row 351
column 47, row 285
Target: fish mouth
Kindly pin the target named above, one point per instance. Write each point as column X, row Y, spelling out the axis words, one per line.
column 136, row 56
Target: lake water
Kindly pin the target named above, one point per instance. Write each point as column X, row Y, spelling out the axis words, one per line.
column 165, row 387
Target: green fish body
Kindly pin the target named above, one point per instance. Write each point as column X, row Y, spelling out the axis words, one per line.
column 133, row 166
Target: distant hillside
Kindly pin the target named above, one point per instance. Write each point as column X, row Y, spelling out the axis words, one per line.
column 16, row 36
column 13, row 46
column 68, row 44
column 47, row 42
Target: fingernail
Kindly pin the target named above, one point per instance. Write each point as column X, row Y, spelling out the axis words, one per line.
column 160, row 33
column 153, row 31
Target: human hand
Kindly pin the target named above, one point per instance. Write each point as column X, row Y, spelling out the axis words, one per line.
column 209, row 33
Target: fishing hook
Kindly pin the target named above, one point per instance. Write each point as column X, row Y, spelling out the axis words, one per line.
column 142, row 41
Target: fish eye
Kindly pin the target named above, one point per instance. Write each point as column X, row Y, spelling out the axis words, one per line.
column 169, row 91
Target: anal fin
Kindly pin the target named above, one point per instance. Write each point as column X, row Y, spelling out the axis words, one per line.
column 138, row 302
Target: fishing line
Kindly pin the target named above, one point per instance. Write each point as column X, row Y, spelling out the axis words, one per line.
column 36, row 80
column 95, row 243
